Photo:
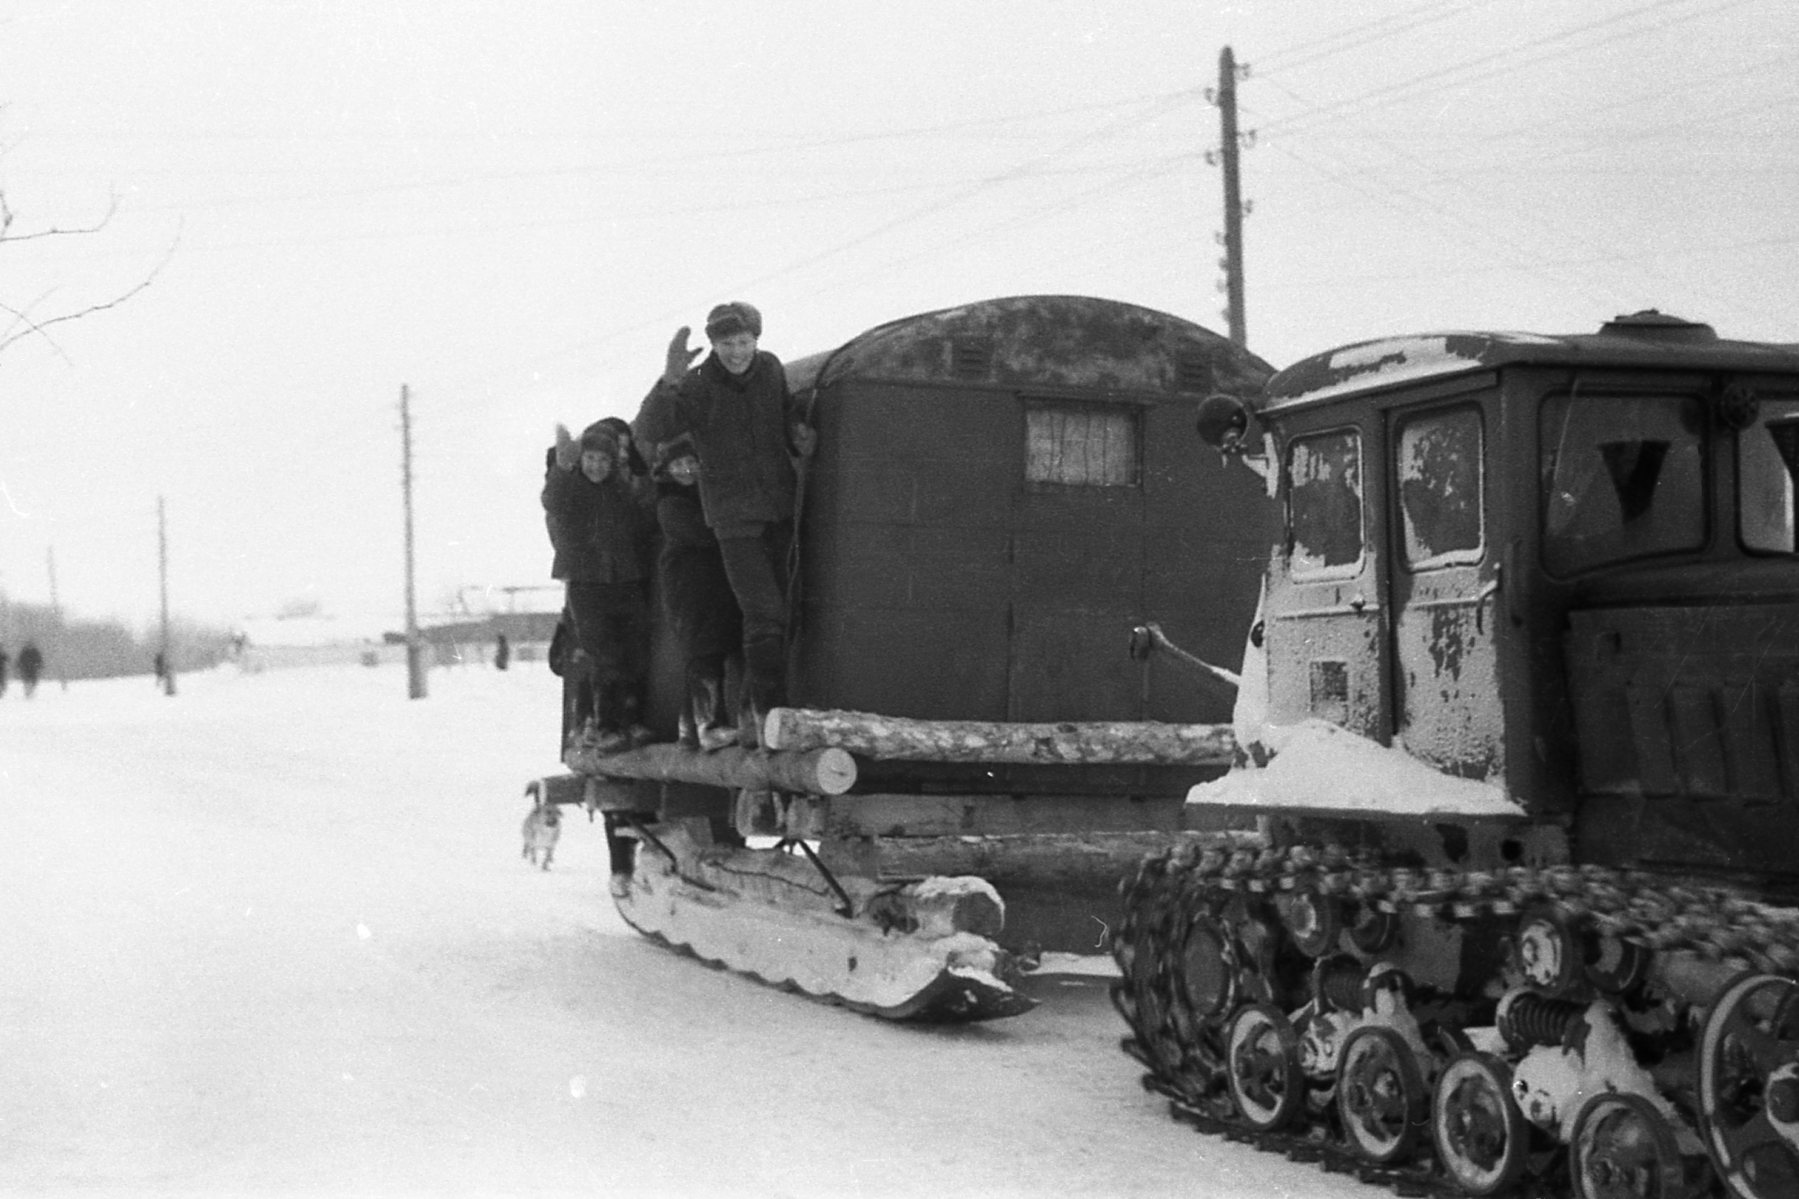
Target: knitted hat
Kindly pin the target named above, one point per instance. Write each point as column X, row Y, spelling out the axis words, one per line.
column 627, row 436
column 735, row 317
column 599, row 438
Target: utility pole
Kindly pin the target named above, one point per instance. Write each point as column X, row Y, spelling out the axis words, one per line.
column 1234, row 208
column 162, row 556
column 415, row 660
column 56, row 638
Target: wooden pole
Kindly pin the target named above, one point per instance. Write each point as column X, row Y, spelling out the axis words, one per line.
column 55, row 639
column 415, row 659
column 1233, row 196
column 162, row 554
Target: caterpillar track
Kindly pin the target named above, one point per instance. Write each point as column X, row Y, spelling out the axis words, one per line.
column 1520, row 1033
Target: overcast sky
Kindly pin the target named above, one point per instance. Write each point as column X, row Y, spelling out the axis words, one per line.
column 509, row 207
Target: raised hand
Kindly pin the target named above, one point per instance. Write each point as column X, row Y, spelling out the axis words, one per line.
column 679, row 356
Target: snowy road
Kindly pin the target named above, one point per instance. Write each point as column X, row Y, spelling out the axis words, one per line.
column 273, row 936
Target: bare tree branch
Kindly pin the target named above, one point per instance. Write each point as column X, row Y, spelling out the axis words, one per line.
column 6, row 220
column 37, row 327
column 20, row 317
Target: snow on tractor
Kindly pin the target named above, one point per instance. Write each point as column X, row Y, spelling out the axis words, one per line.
column 1000, row 495
column 1499, row 899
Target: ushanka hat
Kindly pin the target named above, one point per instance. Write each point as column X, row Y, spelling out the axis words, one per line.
column 735, row 317
column 599, row 438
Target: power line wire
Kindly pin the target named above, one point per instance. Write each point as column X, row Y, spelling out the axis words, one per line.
column 1343, row 41
column 1164, row 104
column 781, row 147
column 1353, row 175
column 1494, row 63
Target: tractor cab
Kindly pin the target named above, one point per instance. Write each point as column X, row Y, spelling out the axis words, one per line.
column 1562, row 565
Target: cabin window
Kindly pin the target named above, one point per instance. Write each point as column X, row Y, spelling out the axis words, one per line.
column 1767, row 464
column 1080, row 445
column 1324, row 501
column 1623, row 477
column 1441, row 488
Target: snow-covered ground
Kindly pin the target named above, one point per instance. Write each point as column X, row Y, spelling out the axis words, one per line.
column 273, row 936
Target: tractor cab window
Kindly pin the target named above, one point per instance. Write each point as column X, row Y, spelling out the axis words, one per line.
column 1440, row 483
column 1767, row 463
column 1324, row 501
column 1623, row 477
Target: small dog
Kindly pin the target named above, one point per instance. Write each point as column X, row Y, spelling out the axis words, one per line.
column 541, row 830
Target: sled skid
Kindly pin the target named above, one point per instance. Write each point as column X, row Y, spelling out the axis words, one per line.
column 916, row 951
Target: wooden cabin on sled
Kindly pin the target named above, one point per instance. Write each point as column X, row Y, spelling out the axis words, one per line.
column 1002, row 494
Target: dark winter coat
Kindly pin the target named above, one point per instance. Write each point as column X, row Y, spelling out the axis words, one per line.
column 601, row 532
column 742, row 430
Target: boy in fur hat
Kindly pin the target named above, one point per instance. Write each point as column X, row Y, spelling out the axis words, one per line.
column 696, row 594
column 600, row 528
column 747, row 433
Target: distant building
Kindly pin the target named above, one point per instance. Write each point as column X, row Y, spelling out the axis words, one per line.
column 277, row 643
column 526, row 615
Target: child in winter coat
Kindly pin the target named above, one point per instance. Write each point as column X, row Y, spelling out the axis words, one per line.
column 601, row 528
column 748, row 433
column 696, row 595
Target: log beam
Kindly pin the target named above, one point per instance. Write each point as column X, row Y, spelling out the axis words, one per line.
column 886, row 815
column 1125, row 742
column 824, row 771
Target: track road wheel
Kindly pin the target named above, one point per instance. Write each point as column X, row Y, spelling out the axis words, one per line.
column 1313, row 921
column 1550, row 952
column 1372, row 930
column 1749, row 1086
column 1623, row 1148
column 1482, row 1138
column 1380, row 1095
column 1265, row 1079
column 1210, row 969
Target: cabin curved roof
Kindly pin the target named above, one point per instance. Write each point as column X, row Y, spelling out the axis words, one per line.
column 1644, row 340
column 1050, row 342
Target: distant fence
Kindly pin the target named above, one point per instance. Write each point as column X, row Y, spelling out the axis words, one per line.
column 285, row 657
column 481, row 653
column 438, row 653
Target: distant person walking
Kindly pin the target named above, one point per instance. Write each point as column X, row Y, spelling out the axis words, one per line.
column 502, row 652
column 31, row 667
column 3, row 661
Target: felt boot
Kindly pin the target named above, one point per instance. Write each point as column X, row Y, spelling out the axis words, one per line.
column 706, row 697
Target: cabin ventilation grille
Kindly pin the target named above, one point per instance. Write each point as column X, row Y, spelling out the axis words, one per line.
column 970, row 357
column 1192, row 374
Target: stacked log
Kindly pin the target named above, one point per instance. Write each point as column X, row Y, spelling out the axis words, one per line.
column 868, row 735
column 818, row 771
